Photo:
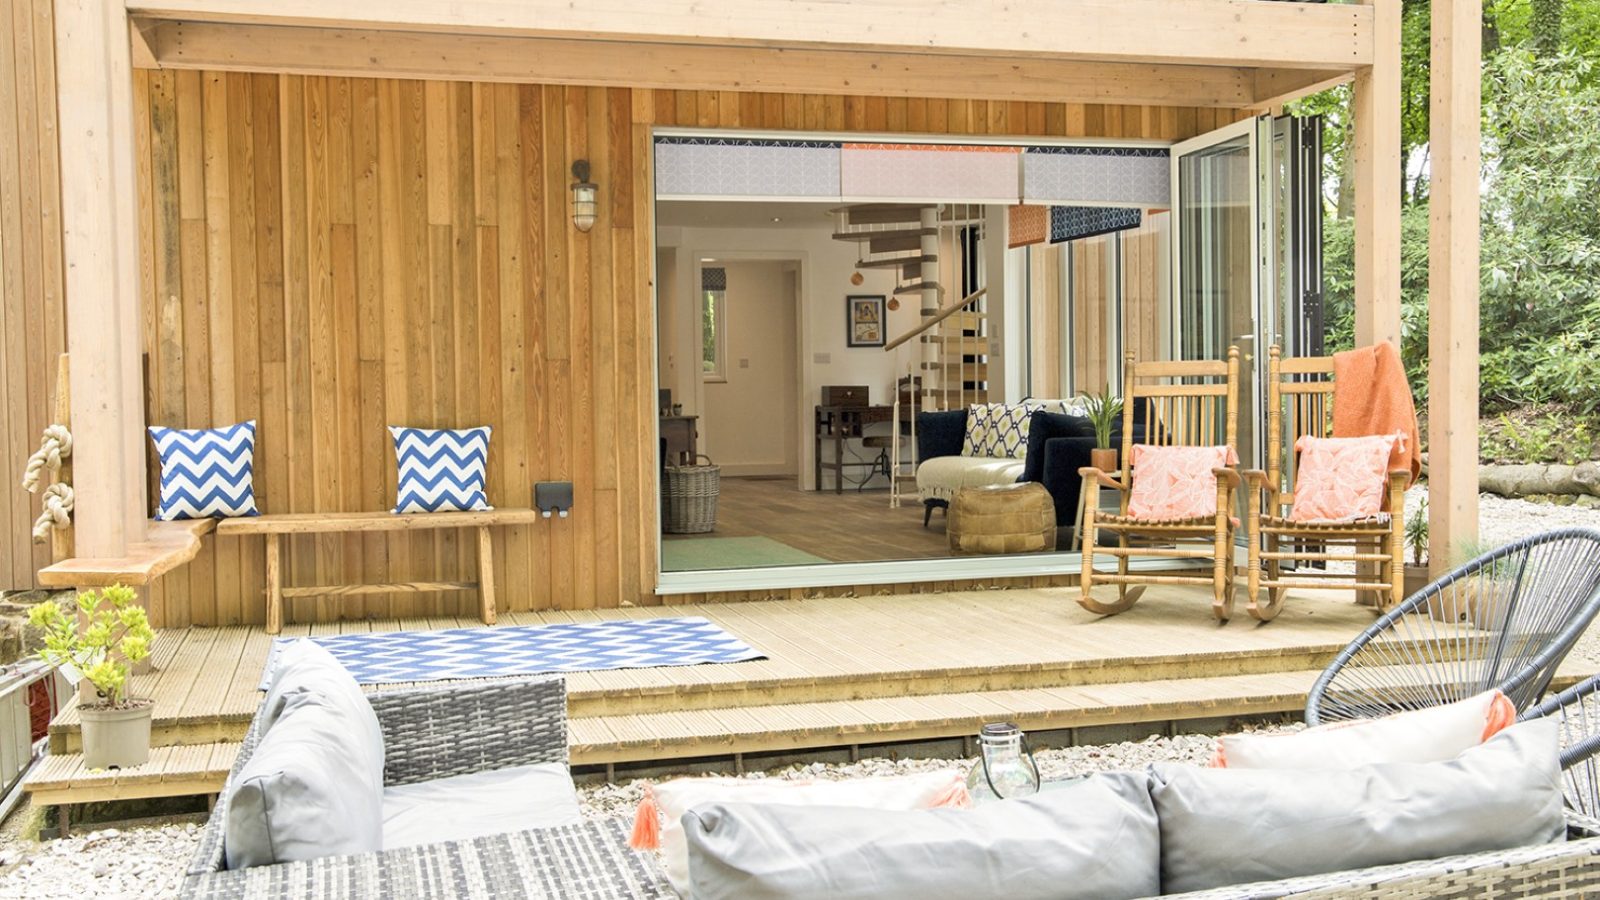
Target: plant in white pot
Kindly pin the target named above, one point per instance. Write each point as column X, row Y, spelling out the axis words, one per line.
column 101, row 637
column 1416, row 574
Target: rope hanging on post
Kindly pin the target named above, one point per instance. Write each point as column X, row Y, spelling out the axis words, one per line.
column 55, row 446
column 58, row 502
column 58, row 498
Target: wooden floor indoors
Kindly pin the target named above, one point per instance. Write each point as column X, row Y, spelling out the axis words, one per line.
column 855, row 526
column 839, row 672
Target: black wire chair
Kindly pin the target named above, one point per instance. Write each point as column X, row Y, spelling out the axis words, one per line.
column 1579, row 710
column 1504, row 620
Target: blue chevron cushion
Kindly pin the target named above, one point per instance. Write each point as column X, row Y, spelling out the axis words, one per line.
column 441, row 469
column 206, row 472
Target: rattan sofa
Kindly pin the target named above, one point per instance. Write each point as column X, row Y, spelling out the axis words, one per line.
column 437, row 732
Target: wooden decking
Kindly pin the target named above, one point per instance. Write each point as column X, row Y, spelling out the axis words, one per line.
column 838, row 672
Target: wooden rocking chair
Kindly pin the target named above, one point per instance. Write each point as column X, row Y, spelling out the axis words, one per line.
column 1181, row 404
column 1299, row 402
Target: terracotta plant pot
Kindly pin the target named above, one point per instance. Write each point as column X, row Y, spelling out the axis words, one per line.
column 116, row 738
column 1416, row 579
column 1104, row 460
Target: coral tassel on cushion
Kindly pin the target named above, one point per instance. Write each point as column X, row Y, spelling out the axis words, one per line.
column 1502, row 715
column 646, row 823
column 955, row 796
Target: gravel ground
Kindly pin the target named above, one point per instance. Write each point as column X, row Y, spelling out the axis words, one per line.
column 147, row 861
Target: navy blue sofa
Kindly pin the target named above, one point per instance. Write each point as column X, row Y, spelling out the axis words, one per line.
column 941, row 434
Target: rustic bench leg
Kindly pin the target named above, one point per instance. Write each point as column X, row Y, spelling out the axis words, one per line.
column 274, row 587
column 486, row 575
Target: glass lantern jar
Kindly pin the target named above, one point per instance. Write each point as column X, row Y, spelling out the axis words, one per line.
column 1005, row 767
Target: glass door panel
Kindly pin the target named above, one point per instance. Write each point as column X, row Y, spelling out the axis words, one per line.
column 1219, row 274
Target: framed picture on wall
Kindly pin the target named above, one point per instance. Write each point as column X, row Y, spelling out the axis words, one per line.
column 864, row 314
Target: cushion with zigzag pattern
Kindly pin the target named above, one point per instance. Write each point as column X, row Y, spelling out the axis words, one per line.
column 441, row 469
column 206, row 472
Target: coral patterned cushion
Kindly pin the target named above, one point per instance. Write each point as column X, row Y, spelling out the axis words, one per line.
column 1176, row 482
column 1342, row 479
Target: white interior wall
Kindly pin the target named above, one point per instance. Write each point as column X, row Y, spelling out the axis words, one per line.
column 825, row 267
column 749, row 422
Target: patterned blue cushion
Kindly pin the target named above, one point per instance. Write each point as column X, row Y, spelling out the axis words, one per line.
column 206, row 472
column 441, row 469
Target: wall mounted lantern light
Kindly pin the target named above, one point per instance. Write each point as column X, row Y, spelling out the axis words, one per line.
column 583, row 196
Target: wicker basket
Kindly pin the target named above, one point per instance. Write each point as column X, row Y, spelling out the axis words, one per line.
column 689, row 497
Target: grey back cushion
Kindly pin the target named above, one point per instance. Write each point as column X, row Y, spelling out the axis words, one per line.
column 1095, row 839
column 313, row 786
column 1228, row 826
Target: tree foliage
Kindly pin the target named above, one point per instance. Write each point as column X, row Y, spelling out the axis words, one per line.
column 1540, row 335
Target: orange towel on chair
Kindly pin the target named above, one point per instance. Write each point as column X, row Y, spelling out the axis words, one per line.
column 1372, row 396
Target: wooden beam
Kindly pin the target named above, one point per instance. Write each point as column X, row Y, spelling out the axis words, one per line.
column 140, row 34
column 485, row 58
column 1453, row 249
column 100, row 239
column 1375, row 115
column 1275, row 87
column 1213, row 32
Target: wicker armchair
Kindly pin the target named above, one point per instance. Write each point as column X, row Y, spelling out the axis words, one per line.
column 1184, row 403
column 1299, row 395
column 436, row 732
column 1504, row 620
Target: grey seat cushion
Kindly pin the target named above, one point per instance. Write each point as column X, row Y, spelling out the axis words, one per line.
column 1095, row 839
column 463, row 807
column 1229, row 826
column 310, row 789
column 314, row 784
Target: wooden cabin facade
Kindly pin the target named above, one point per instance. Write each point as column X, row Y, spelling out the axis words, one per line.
column 330, row 218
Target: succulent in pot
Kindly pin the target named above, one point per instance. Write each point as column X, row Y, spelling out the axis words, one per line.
column 100, row 637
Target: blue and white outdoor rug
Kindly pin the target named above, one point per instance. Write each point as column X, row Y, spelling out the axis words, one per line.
column 398, row 656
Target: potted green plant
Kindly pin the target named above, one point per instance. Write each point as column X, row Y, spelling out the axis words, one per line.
column 100, row 637
column 1416, row 537
column 1103, row 410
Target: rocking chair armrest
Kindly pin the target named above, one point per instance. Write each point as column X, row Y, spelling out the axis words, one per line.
column 1228, row 474
column 1102, row 478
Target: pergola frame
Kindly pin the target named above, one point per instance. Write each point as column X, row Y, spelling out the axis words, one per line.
column 1240, row 54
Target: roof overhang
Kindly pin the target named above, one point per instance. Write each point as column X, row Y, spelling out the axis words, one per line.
column 1224, row 53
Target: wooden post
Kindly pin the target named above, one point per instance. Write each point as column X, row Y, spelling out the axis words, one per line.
column 94, row 102
column 1453, row 281
column 1375, row 145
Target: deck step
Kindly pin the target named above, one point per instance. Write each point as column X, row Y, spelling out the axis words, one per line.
column 183, row 771
column 785, row 728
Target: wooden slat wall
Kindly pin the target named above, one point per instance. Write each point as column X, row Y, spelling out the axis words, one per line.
column 32, row 307
column 332, row 255
column 1141, row 286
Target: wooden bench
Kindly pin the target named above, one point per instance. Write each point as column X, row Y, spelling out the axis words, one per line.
column 275, row 526
column 167, row 545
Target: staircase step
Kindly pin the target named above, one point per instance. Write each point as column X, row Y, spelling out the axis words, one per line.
column 966, row 320
column 882, row 213
column 962, row 371
column 895, row 261
column 884, row 234
column 918, row 288
column 959, row 343
column 178, row 771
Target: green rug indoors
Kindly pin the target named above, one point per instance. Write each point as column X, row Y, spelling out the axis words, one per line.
column 688, row 554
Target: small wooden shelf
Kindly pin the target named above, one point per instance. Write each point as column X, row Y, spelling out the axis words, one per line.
column 167, row 545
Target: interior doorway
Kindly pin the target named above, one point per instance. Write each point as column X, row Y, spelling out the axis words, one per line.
column 751, row 406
